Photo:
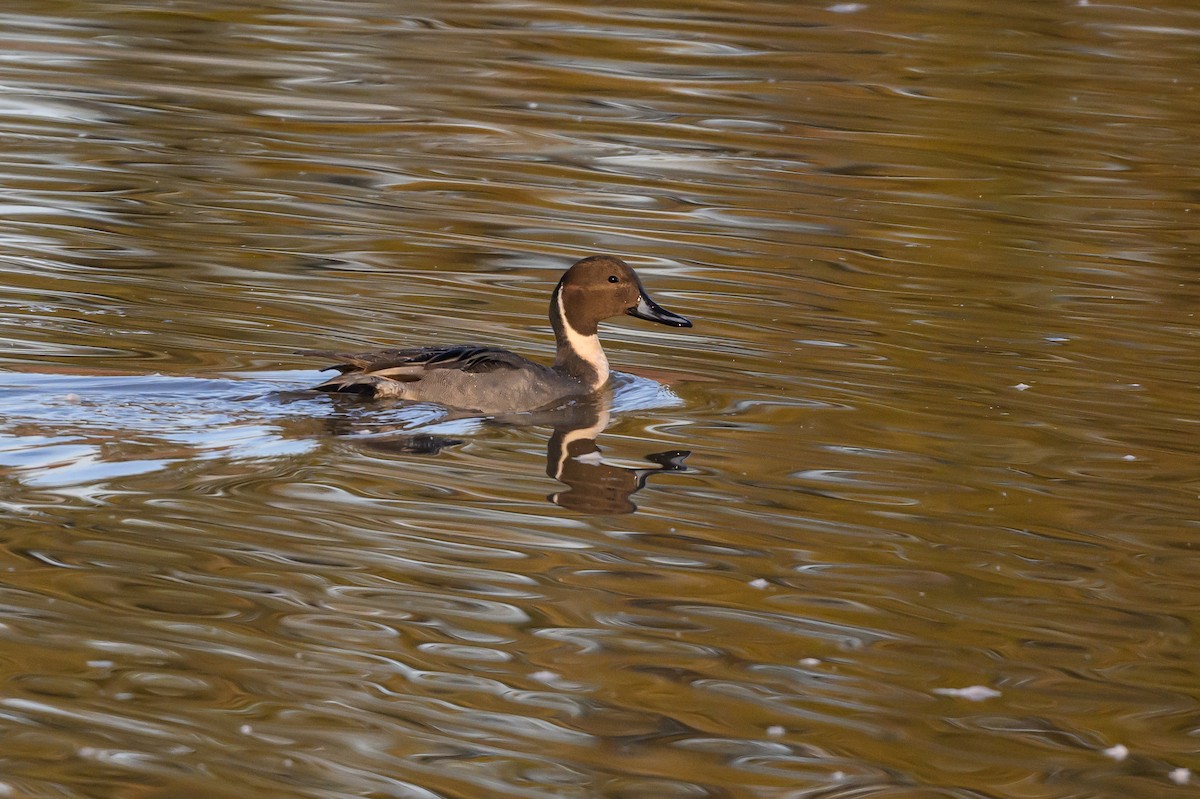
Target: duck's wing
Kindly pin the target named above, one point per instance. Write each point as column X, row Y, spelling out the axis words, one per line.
column 383, row 373
column 474, row 358
column 407, row 364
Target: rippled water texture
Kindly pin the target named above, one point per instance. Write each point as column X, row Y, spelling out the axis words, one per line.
column 910, row 512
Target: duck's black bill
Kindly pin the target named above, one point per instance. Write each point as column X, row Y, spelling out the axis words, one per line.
column 649, row 309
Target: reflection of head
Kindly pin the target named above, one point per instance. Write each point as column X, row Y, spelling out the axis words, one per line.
column 595, row 486
column 573, row 458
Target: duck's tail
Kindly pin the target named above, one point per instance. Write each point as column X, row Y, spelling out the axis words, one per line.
column 364, row 385
column 352, row 379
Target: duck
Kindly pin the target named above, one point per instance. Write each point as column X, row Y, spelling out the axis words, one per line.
column 492, row 380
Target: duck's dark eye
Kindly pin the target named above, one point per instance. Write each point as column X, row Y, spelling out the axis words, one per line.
column 614, row 279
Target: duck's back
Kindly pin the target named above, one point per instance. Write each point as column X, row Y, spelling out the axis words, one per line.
column 469, row 376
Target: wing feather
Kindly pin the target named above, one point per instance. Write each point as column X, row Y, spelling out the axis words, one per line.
column 408, row 363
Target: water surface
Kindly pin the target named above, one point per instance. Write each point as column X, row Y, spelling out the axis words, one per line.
column 934, row 536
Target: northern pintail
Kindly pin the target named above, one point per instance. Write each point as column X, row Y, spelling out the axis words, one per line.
column 492, row 380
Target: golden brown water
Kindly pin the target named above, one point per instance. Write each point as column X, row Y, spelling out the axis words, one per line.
column 935, row 536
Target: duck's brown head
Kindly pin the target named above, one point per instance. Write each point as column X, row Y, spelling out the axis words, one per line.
column 604, row 286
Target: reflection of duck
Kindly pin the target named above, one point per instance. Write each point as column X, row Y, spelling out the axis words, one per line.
column 572, row 455
column 573, row 458
column 493, row 380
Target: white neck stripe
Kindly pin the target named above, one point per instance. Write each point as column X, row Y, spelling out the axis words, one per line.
column 587, row 348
